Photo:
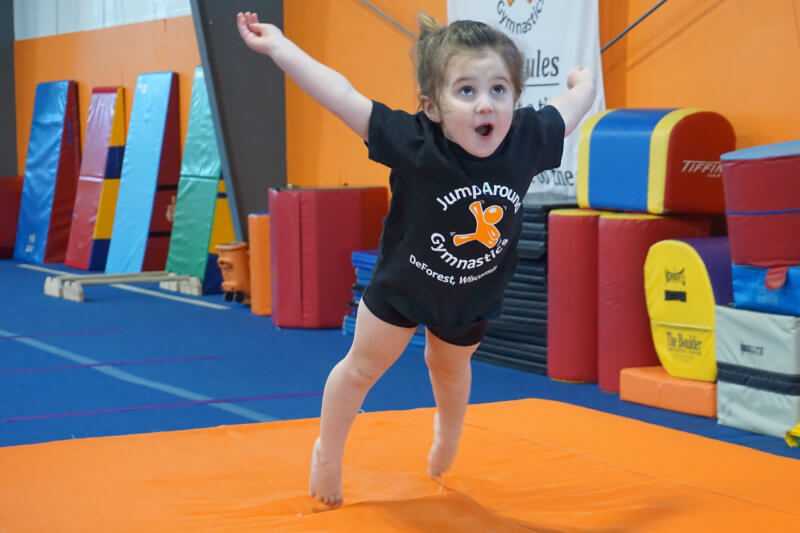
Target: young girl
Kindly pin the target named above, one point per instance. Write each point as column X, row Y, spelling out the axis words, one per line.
column 459, row 170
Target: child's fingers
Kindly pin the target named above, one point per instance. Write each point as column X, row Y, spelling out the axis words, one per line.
column 252, row 29
column 244, row 31
column 241, row 25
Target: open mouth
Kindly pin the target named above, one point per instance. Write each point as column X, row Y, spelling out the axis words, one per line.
column 484, row 130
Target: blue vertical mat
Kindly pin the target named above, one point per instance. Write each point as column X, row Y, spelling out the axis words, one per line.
column 140, row 168
column 41, row 170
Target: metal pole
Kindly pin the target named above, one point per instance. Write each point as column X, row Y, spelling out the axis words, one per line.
column 391, row 20
column 633, row 25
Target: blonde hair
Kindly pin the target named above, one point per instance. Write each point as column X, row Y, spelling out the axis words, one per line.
column 436, row 45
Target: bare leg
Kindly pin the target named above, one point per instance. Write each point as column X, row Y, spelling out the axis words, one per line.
column 451, row 377
column 376, row 346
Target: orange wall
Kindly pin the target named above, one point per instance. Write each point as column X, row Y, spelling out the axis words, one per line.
column 112, row 56
column 374, row 56
column 736, row 58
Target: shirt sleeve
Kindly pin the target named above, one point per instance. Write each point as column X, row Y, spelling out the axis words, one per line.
column 552, row 134
column 543, row 133
column 394, row 138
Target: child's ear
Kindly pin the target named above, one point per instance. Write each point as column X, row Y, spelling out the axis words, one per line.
column 430, row 109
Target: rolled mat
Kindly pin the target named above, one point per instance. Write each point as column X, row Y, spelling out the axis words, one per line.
column 260, row 266
column 572, row 295
column 623, row 326
column 684, row 280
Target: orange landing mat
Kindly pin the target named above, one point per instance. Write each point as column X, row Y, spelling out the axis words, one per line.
column 528, row 465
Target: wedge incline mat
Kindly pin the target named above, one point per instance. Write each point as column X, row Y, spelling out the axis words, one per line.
column 150, row 170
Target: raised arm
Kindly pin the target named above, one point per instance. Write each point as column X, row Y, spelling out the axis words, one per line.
column 322, row 83
column 577, row 99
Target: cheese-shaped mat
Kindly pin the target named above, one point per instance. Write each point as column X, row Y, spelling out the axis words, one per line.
column 684, row 280
column 653, row 160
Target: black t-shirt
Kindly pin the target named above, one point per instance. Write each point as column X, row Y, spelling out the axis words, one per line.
column 448, row 247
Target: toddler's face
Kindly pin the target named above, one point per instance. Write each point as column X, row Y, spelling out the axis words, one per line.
column 476, row 102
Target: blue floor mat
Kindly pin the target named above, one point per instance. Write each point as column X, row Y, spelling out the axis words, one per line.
column 124, row 362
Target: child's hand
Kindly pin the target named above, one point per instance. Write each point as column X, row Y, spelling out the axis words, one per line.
column 262, row 38
column 576, row 101
column 577, row 76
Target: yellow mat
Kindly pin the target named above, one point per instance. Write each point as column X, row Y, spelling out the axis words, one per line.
column 529, row 465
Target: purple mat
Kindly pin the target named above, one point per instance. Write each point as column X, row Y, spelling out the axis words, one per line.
column 716, row 254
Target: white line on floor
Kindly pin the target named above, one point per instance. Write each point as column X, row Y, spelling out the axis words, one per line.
column 135, row 380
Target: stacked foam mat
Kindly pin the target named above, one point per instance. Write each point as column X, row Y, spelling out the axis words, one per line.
column 758, row 339
column 518, row 337
column 644, row 176
column 364, row 265
column 312, row 273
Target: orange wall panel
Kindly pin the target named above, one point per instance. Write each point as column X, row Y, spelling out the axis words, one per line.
column 375, row 56
column 614, row 19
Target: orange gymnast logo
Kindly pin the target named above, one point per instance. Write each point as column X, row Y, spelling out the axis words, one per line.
column 485, row 221
column 517, row 17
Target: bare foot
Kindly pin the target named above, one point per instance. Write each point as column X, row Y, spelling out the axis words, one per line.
column 326, row 479
column 442, row 453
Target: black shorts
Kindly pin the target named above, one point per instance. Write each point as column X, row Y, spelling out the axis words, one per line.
column 458, row 335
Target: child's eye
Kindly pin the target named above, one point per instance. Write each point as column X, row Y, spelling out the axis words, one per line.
column 499, row 89
column 466, row 90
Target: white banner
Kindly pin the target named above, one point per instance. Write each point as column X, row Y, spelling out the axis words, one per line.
column 555, row 36
column 41, row 18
